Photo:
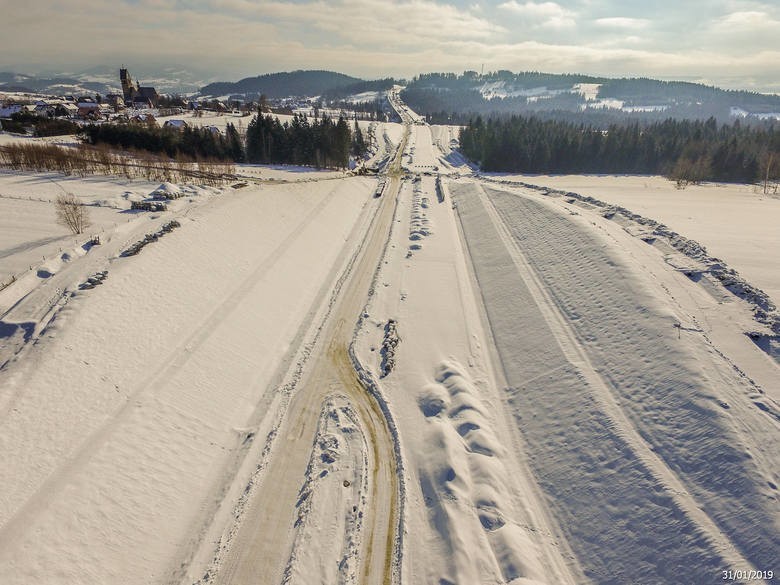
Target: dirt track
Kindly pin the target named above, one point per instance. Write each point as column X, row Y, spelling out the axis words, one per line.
column 263, row 544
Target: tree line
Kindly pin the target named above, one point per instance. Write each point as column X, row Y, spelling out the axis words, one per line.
column 321, row 142
column 90, row 160
column 686, row 150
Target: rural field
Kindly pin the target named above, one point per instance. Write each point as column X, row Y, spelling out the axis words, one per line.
column 428, row 376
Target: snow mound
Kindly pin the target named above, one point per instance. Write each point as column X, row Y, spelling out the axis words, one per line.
column 465, row 484
column 166, row 191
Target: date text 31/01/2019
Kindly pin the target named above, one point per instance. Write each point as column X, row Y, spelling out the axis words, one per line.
column 747, row 575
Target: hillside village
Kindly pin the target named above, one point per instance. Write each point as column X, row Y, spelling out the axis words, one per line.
column 135, row 104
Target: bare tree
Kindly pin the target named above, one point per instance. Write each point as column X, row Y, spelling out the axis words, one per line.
column 71, row 213
column 769, row 171
column 689, row 171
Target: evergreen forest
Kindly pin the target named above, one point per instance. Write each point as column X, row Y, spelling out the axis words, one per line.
column 321, row 142
column 684, row 150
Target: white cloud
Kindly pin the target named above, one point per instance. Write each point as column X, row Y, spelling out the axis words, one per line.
column 536, row 10
column 747, row 21
column 748, row 5
column 620, row 22
column 542, row 14
column 409, row 22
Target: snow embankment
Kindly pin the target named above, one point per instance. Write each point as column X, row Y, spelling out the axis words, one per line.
column 332, row 500
column 737, row 223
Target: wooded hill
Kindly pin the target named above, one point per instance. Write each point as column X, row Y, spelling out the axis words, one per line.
column 339, row 93
column 564, row 96
column 279, row 85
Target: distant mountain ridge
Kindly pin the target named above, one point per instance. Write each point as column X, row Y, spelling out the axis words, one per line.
column 10, row 81
column 102, row 79
column 279, row 85
column 445, row 96
column 580, row 95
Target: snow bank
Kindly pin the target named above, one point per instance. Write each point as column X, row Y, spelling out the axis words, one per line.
column 737, row 223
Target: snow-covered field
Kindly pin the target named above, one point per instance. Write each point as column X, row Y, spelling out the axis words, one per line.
column 67, row 140
column 461, row 381
column 128, row 446
column 737, row 223
column 33, row 243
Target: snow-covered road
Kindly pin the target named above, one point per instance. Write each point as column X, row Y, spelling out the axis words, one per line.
column 271, row 519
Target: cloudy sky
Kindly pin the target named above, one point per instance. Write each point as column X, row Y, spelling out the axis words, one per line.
column 730, row 43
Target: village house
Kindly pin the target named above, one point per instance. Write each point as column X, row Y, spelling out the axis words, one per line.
column 92, row 111
column 144, row 119
column 9, row 110
column 170, row 111
column 68, row 109
column 141, row 103
column 179, row 125
column 116, row 101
